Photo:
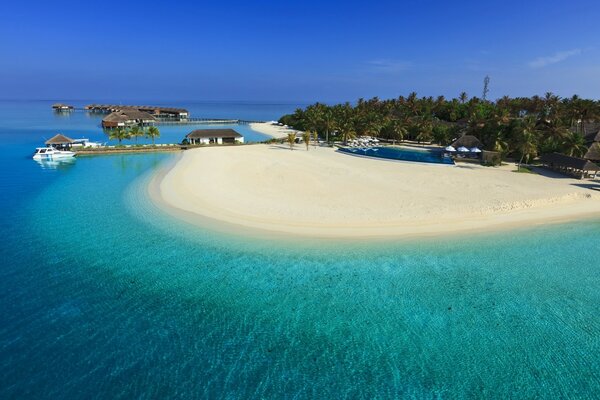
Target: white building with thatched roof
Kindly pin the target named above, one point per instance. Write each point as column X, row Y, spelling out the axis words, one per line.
column 214, row 136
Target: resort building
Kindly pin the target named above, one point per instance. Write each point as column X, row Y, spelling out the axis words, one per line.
column 127, row 117
column 60, row 142
column 577, row 167
column 214, row 136
column 62, row 107
column 155, row 111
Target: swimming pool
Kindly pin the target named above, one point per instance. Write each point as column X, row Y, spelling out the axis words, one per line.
column 402, row 154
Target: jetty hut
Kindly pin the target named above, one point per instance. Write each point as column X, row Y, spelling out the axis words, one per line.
column 60, row 141
column 62, row 107
column 214, row 136
column 576, row 167
column 127, row 117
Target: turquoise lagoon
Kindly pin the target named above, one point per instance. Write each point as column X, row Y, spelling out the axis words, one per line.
column 104, row 296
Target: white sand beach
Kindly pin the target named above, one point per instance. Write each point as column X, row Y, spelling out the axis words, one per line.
column 323, row 193
column 275, row 131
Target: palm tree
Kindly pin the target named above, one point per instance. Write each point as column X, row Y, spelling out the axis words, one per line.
column 152, row 133
column 463, row 97
column 527, row 140
column 135, row 131
column 574, row 145
column 291, row 138
column 425, row 126
column 119, row 134
column 306, row 135
column 328, row 123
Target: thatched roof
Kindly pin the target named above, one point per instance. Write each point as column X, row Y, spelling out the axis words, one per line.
column 132, row 113
column 592, row 137
column 115, row 117
column 59, row 139
column 128, row 115
column 150, row 109
column 561, row 160
column 212, row 133
column 468, row 141
column 593, row 152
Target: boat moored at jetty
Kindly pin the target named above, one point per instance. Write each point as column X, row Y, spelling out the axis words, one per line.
column 50, row 153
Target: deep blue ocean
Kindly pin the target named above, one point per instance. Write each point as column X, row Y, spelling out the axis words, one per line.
column 102, row 296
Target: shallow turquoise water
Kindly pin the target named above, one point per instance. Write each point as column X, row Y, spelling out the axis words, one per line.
column 103, row 296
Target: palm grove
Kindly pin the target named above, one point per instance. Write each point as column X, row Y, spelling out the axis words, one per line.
column 122, row 133
column 515, row 127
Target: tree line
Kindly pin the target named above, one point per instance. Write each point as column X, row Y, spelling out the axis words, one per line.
column 520, row 127
column 122, row 133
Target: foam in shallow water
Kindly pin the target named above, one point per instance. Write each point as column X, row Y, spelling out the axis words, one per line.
column 115, row 299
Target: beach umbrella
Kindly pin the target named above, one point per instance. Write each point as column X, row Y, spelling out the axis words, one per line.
column 462, row 149
column 450, row 149
column 475, row 150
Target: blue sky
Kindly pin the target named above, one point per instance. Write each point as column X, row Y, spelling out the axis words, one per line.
column 297, row 51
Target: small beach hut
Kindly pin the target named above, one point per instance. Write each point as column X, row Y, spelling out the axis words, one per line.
column 467, row 141
column 60, row 141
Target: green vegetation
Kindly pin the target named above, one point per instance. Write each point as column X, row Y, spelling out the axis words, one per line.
column 515, row 127
column 153, row 133
column 122, row 133
column 306, row 138
column 135, row 132
column 119, row 134
column 291, row 139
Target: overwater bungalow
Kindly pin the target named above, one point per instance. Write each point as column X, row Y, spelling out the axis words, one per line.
column 60, row 141
column 62, row 107
column 155, row 111
column 576, row 167
column 214, row 136
column 127, row 117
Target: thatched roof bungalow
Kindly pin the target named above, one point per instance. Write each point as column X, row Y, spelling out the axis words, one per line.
column 214, row 136
column 468, row 141
column 577, row 167
column 127, row 117
column 60, row 141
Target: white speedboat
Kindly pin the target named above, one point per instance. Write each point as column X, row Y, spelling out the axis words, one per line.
column 50, row 153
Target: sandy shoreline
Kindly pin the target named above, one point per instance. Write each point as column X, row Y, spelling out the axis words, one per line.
column 275, row 131
column 322, row 193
